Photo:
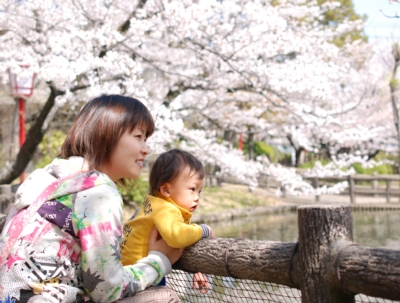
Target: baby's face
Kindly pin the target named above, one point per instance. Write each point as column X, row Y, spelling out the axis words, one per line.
column 185, row 190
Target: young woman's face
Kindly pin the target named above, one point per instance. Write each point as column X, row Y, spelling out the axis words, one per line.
column 127, row 159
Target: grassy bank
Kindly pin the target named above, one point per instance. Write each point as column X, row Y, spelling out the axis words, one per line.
column 230, row 196
column 226, row 198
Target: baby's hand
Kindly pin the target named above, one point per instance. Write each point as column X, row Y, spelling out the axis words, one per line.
column 211, row 232
column 200, row 282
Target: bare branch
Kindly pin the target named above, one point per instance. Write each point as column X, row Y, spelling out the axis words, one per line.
column 387, row 16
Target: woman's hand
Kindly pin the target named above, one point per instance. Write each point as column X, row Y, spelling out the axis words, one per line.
column 158, row 244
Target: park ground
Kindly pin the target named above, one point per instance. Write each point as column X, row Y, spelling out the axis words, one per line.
column 233, row 197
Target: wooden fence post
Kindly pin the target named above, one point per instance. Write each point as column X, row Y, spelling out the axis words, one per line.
column 315, row 184
column 387, row 190
column 323, row 231
column 352, row 189
column 283, row 189
column 375, row 183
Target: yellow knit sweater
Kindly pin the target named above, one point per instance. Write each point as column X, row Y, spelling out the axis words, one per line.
column 171, row 220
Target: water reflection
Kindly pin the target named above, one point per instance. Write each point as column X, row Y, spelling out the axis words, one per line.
column 370, row 228
column 377, row 229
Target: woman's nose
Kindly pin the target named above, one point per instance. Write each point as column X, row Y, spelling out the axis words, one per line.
column 145, row 150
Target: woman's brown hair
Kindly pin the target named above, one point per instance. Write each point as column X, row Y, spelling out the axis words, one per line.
column 99, row 126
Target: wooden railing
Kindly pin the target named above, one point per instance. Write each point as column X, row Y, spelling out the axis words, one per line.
column 324, row 264
column 354, row 189
column 374, row 190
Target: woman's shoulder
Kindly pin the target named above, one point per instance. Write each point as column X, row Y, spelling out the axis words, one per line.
column 101, row 186
column 97, row 201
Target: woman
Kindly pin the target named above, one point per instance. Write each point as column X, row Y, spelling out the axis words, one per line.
column 61, row 239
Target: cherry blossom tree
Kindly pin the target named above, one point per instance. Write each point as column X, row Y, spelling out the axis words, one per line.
column 203, row 68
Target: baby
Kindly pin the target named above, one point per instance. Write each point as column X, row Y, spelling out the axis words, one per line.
column 176, row 180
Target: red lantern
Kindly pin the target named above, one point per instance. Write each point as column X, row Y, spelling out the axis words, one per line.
column 21, row 84
column 240, row 142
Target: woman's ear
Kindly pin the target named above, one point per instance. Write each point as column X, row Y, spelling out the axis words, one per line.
column 164, row 190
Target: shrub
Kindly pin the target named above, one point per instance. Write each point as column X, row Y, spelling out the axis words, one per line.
column 49, row 148
column 262, row 148
column 383, row 169
column 312, row 163
column 135, row 191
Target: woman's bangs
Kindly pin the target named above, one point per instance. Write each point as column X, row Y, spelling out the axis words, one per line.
column 142, row 120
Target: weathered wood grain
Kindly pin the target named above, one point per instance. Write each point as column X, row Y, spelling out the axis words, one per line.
column 242, row 258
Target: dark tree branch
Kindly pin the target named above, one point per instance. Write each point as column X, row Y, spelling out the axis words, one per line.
column 35, row 135
column 33, row 138
column 395, row 16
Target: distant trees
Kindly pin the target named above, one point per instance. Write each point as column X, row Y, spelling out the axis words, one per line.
column 343, row 11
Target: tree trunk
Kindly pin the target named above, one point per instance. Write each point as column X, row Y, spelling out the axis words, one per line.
column 299, row 156
column 250, row 141
column 230, row 136
column 298, row 150
column 393, row 89
column 35, row 135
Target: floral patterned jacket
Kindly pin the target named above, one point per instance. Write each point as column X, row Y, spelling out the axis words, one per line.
column 70, row 244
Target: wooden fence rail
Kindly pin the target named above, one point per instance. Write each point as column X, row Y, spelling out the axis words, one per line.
column 324, row 264
column 389, row 191
column 374, row 190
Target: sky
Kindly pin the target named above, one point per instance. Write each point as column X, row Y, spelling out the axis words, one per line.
column 379, row 27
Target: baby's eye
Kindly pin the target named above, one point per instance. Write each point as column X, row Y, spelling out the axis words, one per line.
column 192, row 189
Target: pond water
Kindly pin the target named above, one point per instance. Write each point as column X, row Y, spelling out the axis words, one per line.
column 370, row 228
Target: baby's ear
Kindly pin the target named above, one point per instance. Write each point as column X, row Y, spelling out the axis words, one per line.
column 164, row 190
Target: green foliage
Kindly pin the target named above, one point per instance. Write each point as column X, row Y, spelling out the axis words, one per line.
column 384, row 169
column 385, row 156
column 345, row 12
column 245, row 148
column 2, row 157
column 311, row 164
column 394, row 83
column 262, row 148
column 49, row 148
column 135, row 191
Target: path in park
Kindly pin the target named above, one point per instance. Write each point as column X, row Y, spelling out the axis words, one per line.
column 330, row 199
column 341, row 199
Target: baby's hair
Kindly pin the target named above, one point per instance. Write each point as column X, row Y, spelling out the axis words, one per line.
column 170, row 164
